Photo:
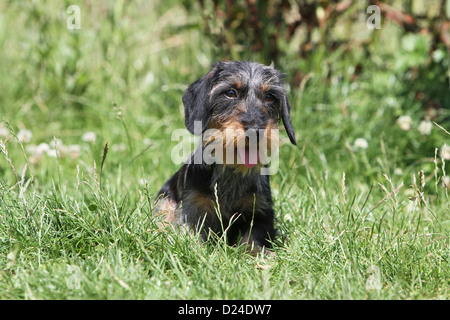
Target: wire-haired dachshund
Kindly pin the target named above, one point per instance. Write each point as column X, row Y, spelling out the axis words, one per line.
column 229, row 196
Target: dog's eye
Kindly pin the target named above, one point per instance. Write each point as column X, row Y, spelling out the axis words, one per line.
column 269, row 97
column 232, row 94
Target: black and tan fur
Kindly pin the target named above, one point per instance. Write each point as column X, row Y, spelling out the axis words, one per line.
column 212, row 198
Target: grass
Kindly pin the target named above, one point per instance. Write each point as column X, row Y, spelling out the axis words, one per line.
column 76, row 222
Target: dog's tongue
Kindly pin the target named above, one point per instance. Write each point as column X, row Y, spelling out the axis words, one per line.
column 249, row 157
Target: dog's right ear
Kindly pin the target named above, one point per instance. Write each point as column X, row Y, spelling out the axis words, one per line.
column 197, row 104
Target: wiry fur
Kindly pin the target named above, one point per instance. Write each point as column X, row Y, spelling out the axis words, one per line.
column 229, row 197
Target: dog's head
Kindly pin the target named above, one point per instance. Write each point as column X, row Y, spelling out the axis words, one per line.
column 247, row 93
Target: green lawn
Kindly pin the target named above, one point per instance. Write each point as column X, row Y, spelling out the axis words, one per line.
column 362, row 203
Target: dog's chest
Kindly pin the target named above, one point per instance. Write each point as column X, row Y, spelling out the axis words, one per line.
column 236, row 192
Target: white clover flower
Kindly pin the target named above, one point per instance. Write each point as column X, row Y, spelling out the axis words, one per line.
column 390, row 101
column 35, row 154
column 445, row 152
column 438, row 55
column 425, row 127
column 31, row 149
column 74, row 150
column 121, row 147
column 446, row 182
column 52, row 153
column 4, row 133
column 89, row 136
column 360, row 144
column 404, row 122
column 41, row 148
column 24, row 135
column 55, row 143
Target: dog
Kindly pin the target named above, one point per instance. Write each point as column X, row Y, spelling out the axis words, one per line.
column 229, row 198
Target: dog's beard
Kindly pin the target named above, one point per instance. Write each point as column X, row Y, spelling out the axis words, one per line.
column 238, row 148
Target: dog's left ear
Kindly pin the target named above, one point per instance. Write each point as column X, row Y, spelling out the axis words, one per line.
column 285, row 116
column 196, row 103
